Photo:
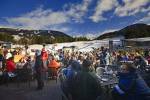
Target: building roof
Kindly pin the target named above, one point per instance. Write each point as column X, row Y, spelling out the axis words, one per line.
column 139, row 39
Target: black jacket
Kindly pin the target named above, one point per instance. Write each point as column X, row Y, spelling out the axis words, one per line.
column 85, row 86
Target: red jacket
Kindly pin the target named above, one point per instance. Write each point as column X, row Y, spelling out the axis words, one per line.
column 10, row 66
column 44, row 56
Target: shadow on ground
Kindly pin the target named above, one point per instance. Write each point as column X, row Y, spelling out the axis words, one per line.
column 51, row 91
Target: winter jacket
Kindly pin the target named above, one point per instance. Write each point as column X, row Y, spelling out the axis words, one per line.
column 132, row 87
column 44, row 56
column 10, row 66
column 85, row 86
column 38, row 63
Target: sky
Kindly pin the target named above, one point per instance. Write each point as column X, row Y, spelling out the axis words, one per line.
column 74, row 17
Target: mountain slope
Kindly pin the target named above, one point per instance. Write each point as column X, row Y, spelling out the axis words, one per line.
column 132, row 31
column 34, row 36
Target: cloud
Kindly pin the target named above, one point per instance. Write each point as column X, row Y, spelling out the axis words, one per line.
column 61, row 28
column 131, row 7
column 94, row 35
column 39, row 19
column 121, row 9
column 42, row 19
column 145, row 9
column 91, row 36
column 87, row 35
column 102, row 7
column 78, row 11
column 146, row 19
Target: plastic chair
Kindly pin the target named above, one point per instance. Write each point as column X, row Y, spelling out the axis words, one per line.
column 9, row 76
column 100, row 71
column 53, row 73
column 24, row 75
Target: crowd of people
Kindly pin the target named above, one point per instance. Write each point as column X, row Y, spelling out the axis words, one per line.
column 79, row 71
column 81, row 81
column 18, row 64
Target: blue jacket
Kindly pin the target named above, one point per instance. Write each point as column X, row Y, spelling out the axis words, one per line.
column 133, row 86
column 124, row 58
column 126, row 81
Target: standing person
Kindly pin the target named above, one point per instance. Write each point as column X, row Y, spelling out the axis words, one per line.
column 27, row 51
column 102, row 57
column 107, row 58
column 39, row 70
column 44, row 56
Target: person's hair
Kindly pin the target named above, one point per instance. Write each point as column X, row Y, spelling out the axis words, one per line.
column 86, row 63
column 11, row 58
column 138, row 57
column 130, row 67
column 75, row 64
column 102, row 48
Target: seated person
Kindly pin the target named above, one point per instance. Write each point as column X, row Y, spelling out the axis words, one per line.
column 131, row 86
column 10, row 65
column 72, row 69
column 53, row 63
column 53, row 67
column 21, row 63
column 10, row 71
column 85, row 84
column 70, row 73
column 140, row 62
